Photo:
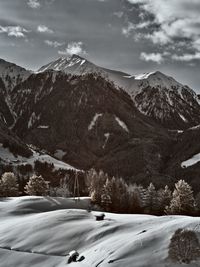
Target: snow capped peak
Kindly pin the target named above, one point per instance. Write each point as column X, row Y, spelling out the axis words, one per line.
column 65, row 63
column 154, row 93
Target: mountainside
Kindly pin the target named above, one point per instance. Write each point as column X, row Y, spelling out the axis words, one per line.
column 10, row 76
column 90, row 121
column 184, row 158
column 10, row 141
column 155, row 94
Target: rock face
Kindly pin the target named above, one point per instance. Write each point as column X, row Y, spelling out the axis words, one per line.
column 155, row 94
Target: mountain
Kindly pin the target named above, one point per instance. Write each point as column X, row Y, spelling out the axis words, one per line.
column 89, row 116
column 90, row 122
column 155, row 94
column 10, row 75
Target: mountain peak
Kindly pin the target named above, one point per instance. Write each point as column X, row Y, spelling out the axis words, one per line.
column 65, row 64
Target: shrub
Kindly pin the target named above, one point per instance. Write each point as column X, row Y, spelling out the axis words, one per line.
column 37, row 186
column 184, row 246
column 9, row 185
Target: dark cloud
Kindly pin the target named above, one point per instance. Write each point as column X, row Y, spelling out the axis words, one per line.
column 130, row 35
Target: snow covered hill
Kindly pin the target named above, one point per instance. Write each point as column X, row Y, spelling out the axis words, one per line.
column 37, row 231
column 7, row 157
column 155, row 94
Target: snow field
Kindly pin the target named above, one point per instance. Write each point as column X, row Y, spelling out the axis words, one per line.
column 37, row 231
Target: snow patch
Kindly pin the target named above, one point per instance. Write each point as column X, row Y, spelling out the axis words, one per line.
column 59, row 154
column 82, row 62
column 107, row 135
column 192, row 161
column 182, row 117
column 33, row 118
column 143, row 76
column 122, row 124
column 94, row 120
column 196, row 127
column 43, row 127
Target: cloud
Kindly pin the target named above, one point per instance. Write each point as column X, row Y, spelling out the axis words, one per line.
column 16, row 31
column 128, row 29
column 43, row 28
column 135, row 27
column 186, row 57
column 175, row 19
column 118, row 14
column 155, row 57
column 54, row 44
column 73, row 48
column 33, row 3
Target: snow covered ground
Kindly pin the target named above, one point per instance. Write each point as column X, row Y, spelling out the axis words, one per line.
column 37, row 231
column 192, row 161
column 9, row 158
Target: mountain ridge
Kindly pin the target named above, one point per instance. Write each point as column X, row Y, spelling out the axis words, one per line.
column 155, row 94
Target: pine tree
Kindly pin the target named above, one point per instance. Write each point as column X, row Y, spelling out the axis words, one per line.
column 96, row 182
column 164, row 198
column 37, row 186
column 1, row 189
column 135, row 199
column 182, row 200
column 150, row 199
column 106, row 197
column 60, row 191
column 9, row 185
column 121, row 192
column 197, row 201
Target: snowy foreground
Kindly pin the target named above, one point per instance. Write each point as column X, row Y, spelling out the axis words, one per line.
column 36, row 231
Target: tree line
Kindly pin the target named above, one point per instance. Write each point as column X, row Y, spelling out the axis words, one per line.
column 113, row 194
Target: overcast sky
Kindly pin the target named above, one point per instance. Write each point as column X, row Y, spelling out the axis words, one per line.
column 130, row 35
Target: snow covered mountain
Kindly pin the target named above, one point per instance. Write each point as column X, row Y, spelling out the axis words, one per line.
column 161, row 97
column 155, row 94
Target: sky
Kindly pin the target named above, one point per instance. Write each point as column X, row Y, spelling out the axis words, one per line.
column 133, row 36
